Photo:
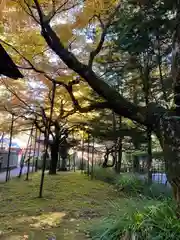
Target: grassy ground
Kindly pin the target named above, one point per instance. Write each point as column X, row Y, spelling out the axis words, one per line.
column 71, row 203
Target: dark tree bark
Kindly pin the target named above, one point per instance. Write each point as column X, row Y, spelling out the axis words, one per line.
column 47, row 133
column 64, row 153
column 7, row 66
column 119, row 156
column 64, row 164
column 119, row 149
column 54, row 157
column 54, row 146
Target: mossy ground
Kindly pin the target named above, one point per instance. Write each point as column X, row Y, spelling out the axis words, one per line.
column 70, row 203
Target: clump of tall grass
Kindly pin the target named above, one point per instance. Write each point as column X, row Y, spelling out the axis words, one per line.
column 132, row 185
column 105, row 174
column 154, row 222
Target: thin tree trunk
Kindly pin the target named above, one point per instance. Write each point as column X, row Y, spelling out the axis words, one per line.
column 34, row 153
column 74, row 161
column 2, row 140
column 92, row 166
column 115, row 138
column 24, row 157
column 146, row 87
column 88, row 165
column 38, row 154
column 29, row 157
column 47, row 132
column 9, row 151
column 82, row 160
column 64, row 164
column 59, row 160
column 119, row 157
column 74, row 156
column 149, row 165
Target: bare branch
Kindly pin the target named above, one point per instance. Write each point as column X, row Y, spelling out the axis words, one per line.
column 54, row 10
column 95, row 52
column 11, row 91
column 60, row 9
column 40, row 12
column 32, row 67
column 30, row 13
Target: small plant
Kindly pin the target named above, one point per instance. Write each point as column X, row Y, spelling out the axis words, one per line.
column 155, row 222
column 130, row 183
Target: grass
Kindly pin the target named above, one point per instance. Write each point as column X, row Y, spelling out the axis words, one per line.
column 131, row 185
column 148, row 212
column 147, row 220
column 71, row 202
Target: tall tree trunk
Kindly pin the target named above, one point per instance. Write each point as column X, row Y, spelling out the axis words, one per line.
column 54, row 157
column 114, row 125
column 64, row 164
column 149, row 150
column 170, row 141
column 63, row 150
column 119, row 155
column 172, row 145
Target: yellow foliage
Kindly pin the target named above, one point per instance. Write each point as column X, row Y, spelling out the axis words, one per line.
column 20, row 32
column 64, row 31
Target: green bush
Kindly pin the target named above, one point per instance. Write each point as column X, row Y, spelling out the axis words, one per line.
column 131, row 184
column 157, row 191
column 105, row 174
column 155, row 222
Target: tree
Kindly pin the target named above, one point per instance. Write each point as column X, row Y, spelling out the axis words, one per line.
column 163, row 122
column 153, row 115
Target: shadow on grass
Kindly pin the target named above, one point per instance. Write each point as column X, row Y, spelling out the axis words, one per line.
column 70, row 203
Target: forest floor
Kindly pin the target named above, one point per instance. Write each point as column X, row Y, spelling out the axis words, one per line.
column 71, row 202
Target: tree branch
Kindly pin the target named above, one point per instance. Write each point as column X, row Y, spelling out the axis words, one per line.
column 40, row 12
column 59, row 9
column 95, row 52
column 115, row 101
column 30, row 13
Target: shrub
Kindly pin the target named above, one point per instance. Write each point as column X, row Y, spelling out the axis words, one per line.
column 131, row 184
column 105, row 174
column 157, row 191
column 155, row 222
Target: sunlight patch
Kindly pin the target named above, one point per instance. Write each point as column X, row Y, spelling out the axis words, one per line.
column 47, row 220
column 43, row 221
